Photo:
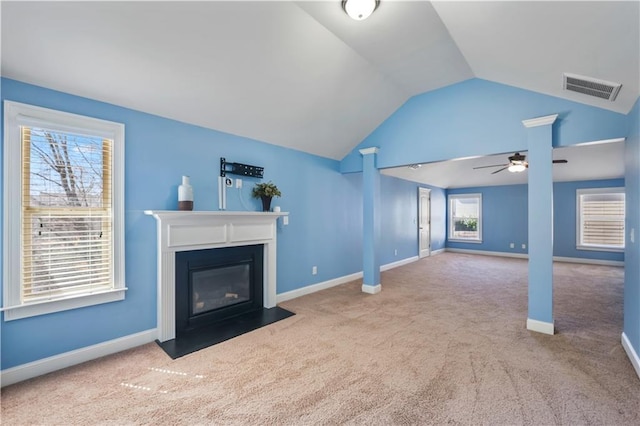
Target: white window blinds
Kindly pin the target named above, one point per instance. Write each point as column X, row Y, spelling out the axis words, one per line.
column 601, row 218
column 67, row 223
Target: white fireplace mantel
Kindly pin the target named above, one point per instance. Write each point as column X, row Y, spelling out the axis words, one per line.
column 197, row 230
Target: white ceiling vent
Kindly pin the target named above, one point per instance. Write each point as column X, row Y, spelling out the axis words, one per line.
column 591, row 86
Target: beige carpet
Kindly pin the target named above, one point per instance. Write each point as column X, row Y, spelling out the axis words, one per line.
column 445, row 342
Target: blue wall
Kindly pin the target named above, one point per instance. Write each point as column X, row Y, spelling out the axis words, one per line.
column 399, row 214
column 505, row 218
column 325, row 228
column 479, row 117
column 632, row 252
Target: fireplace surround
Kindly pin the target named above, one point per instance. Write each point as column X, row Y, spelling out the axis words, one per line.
column 180, row 231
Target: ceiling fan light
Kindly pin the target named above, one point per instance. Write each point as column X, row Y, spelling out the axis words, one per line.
column 359, row 9
column 517, row 168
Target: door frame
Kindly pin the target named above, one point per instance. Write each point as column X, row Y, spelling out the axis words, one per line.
column 423, row 252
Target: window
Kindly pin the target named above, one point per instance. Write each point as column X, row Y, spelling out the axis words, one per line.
column 600, row 221
column 465, row 217
column 63, row 180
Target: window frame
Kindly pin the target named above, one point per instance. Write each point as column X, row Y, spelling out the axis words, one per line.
column 592, row 247
column 450, row 237
column 17, row 115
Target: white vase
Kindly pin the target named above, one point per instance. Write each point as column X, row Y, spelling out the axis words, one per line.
column 185, row 195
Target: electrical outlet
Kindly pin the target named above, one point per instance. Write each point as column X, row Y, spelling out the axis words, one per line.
column 314, row 270
column 285, row 220
column 238, row 183
column 524, row 247
column 512, row 245
column 395, row 252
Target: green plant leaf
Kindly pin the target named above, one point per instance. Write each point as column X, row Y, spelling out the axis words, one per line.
column 266, row 189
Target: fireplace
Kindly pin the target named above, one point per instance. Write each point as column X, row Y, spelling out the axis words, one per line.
column 180, row 231
column 216, row 284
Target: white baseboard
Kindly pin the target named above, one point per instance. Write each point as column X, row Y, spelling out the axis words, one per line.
column 488, row 253
column 588, row 261
column 283, row 297
column 439, row 251
column 631, row 353
column 399, row 263
column 78, row 356
column 371, row 289
column 540, row 326
column 526, row 256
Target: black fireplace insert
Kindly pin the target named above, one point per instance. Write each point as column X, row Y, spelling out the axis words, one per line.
column 213, row 285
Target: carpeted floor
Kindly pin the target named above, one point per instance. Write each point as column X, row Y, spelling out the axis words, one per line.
column 444, row 342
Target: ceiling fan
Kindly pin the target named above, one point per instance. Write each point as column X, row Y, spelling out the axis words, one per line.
column 516, row 164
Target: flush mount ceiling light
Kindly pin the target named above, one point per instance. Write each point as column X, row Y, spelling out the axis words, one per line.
column 359, row 9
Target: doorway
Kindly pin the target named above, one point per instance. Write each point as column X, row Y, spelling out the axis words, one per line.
column 424, row 222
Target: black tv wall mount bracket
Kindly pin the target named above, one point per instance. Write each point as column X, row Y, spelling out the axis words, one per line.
column 240, row 169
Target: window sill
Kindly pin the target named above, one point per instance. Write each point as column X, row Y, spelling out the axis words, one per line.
column 48, row 307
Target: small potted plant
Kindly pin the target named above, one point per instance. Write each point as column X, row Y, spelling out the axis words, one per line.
column 265, row 191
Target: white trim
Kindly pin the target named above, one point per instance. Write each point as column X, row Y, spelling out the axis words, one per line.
column 540, row 326
column 631, row 353
column 600, row 248
column 78, row 356
column 439, row 251
column 424, row 192
column 526, row 256
column 367, row 151
column 15, row 115
column 600, row 142
column 487, row 253
column 371, row 289
column 294, row 294
column 458, row 240
column 579, row 217
column 399, row 263
column 589, row 261
column 29, row 310
column 451, row 224
column 540, row 121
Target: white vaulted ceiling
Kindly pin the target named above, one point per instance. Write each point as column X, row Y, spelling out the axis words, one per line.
column 302, row 74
